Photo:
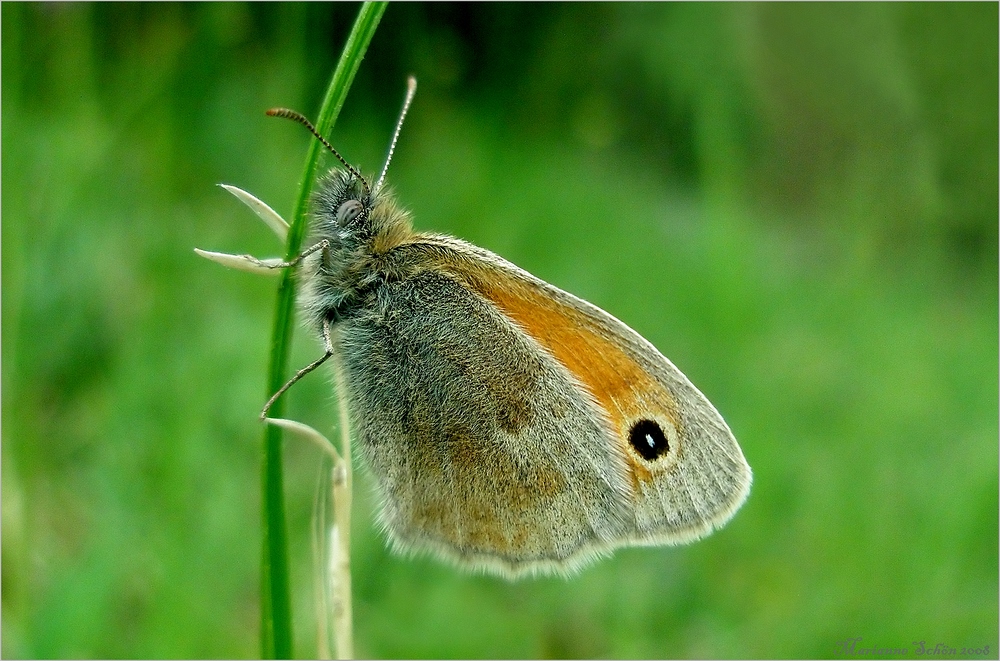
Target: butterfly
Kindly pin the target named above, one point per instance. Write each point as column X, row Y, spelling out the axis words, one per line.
column 510, row 426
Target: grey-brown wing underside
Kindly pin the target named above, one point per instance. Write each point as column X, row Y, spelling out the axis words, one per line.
column 677, row 496
column 486, row 450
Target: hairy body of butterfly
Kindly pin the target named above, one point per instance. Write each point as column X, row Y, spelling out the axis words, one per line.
column 510, row 426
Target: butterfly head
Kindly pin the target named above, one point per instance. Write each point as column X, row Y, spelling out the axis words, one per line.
column 351, row 216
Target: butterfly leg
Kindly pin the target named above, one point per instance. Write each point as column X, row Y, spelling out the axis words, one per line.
column 256, row 265
column 328, row 346
column 276, row 223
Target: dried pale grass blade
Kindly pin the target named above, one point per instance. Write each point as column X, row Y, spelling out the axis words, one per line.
column 270, row 266
column 321, row 586
column 339, row 582
column 264, row 212
column 307, row 432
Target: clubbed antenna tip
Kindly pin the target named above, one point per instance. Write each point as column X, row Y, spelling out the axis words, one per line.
column 301, row 119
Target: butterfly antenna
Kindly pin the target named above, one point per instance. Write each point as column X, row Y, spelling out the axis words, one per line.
column 300, row 118
column 411, row 89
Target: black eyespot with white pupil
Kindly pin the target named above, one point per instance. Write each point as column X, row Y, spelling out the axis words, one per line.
column 648, row 440
column 348, row 211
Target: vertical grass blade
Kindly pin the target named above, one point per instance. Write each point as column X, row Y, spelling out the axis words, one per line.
column 276, row 612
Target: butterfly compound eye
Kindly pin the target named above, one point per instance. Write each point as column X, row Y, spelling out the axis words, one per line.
column 348, row 211
column 648, row 440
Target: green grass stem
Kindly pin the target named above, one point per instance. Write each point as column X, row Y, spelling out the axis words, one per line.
column 276, row 615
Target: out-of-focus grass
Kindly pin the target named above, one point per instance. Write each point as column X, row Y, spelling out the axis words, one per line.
column 796, row 204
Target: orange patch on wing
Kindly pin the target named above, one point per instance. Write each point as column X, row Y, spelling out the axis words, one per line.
column 625, row 391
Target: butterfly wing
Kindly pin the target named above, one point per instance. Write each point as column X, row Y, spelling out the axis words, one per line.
column 515, row 428
column 485, row 450
column 682, row 485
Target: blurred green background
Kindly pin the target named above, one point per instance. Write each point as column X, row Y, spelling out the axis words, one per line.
column 796, row 203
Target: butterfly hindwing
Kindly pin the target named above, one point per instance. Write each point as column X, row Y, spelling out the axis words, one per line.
column 485, row 448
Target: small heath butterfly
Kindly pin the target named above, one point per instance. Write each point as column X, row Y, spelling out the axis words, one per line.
column 511, row 427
